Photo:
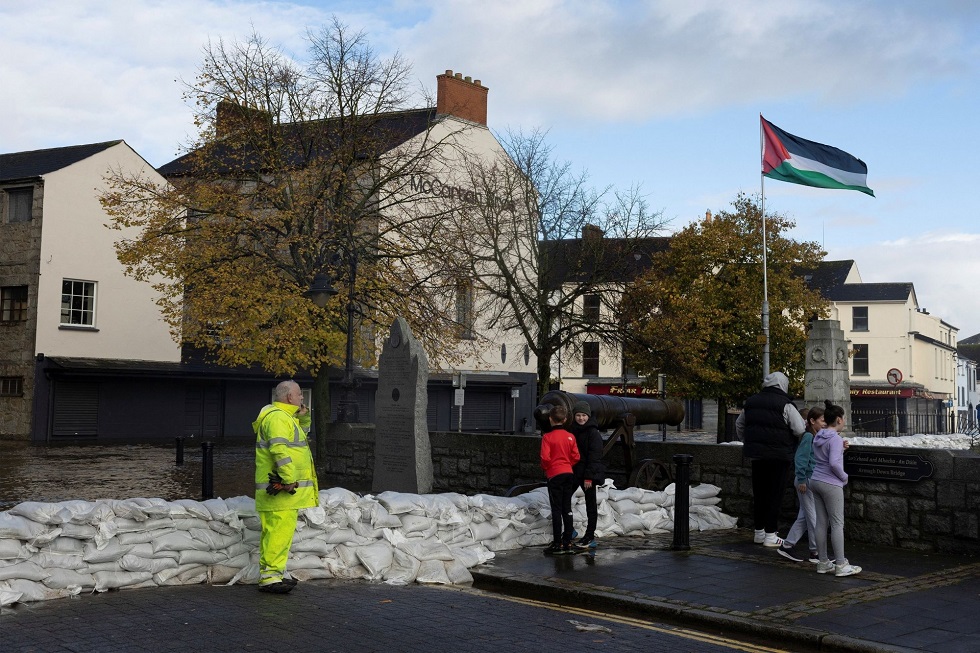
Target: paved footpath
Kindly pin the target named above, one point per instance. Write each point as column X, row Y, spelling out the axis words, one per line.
column 902, row 600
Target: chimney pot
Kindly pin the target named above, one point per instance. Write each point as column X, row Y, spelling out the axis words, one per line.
column 461, row 97
column 477, row 82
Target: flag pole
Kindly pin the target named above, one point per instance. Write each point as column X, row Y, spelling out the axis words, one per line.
column 765, row 274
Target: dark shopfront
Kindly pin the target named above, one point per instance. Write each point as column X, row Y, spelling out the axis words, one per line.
column 873, row 411
column 140, row 401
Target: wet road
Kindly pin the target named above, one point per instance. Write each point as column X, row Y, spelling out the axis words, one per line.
column 62, row 472
column 341, row 616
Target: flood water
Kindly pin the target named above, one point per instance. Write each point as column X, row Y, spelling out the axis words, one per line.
column 60, row 472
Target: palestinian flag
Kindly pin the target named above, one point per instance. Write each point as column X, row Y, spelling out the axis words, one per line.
column 790, row 158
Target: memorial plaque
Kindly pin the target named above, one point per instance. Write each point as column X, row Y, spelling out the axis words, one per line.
column 886, row 466
column 402, row 453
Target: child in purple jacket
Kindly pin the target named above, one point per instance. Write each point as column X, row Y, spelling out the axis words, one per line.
column 827, row 484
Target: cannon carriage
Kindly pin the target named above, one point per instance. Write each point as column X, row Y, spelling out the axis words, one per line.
column 621, row 415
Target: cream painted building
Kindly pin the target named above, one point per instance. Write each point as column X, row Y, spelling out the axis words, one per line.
column 64, row 294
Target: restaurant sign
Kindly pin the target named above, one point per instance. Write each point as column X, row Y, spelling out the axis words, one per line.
column 630, row 391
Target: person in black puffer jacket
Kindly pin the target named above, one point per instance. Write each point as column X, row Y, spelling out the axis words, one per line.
column 770, row 427
column 589, row 470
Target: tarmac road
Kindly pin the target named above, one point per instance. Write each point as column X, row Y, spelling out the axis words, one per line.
column 334, row 616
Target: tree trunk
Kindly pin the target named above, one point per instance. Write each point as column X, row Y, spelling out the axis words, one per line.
column 721, row 432
column 544, row 375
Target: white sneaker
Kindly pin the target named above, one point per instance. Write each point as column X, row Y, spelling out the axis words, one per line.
column 846, row 569
column 825, row 567
column 772, row 540
column 760, row 537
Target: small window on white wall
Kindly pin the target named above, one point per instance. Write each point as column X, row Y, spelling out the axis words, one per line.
column 77, row 302
column 859, row 318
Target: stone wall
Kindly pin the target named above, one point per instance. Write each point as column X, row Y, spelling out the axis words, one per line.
column 20, row 245
column 941, row 513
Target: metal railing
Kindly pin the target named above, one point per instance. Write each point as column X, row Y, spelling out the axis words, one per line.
column 886, row 423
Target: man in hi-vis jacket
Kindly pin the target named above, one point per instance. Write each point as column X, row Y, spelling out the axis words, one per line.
column 285, row 481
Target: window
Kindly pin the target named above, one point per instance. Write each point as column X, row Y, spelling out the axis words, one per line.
column 13, row 304
column 20, row 201
column 860, row 360
column 11, row 386
column 859, row 318
column 590, row 359
column 78, row 302
column 464, row 309
column 590, row 308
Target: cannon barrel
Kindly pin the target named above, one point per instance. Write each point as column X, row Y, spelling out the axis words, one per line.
column 609, row 410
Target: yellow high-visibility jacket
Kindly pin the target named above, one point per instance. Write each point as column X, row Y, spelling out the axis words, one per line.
column 281, row 446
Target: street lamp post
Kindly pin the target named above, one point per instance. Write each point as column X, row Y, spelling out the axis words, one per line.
column 347, row 409
column 320, row 292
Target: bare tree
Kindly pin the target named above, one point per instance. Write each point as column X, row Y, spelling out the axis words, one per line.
column 541, row 239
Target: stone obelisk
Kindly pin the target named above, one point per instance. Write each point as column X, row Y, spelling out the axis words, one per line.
column 827, row 375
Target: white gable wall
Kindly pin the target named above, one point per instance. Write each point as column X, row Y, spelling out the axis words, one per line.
column 76, row 244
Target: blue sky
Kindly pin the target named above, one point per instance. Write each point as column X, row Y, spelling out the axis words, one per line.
column 666, row 94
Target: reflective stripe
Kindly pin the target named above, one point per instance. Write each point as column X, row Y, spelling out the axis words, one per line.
column 304, row 483
column 284, row 461
column 289, row 443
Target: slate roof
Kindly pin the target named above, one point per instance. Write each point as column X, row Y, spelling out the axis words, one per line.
column 871, row 292
column 972, row 340
column 828, row 275
column 615, row 259
column 391, row 130
column 28, row 165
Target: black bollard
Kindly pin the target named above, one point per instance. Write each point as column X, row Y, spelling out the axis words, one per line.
column 207, row 471
column 682, row 502
column 179, row 443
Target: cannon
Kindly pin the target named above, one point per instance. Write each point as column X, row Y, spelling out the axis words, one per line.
column 621, row 414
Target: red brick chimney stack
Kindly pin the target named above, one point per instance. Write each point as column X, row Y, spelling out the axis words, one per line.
column 462, row 97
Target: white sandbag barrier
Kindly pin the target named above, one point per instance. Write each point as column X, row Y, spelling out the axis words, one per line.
column 54, row 550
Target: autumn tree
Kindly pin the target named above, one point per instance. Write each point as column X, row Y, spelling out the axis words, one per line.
column 696, row 313
column 298, row 170
column 543, row 238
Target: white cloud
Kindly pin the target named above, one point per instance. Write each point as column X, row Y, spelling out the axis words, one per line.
column 944, row 267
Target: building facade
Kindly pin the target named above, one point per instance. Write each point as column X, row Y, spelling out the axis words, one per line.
column 86, row 355
column 63, row 291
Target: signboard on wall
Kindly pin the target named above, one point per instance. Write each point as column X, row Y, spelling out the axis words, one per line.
column 880, row 466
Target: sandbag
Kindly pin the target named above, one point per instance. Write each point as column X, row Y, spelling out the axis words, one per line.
column 68, row 579
column 19, row 528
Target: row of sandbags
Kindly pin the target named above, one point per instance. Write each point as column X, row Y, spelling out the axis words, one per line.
column 52, row 550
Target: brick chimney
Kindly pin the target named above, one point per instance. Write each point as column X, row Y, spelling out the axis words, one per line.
column 461, row 97
column 231, row 117
column 592, row 233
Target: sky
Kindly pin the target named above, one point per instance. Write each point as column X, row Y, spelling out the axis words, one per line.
column 659, row 93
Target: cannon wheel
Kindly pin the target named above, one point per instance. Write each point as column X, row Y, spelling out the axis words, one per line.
column 651, row 474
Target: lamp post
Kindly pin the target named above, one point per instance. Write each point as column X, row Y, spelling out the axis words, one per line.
column 347, row 410
column 320, row 293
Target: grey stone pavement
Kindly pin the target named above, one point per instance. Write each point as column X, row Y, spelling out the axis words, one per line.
column 901, row 601
column 724, row 585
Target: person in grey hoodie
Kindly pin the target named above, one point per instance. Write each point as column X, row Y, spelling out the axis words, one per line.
column 827, row 484
column 806, row 520
column 770, row 426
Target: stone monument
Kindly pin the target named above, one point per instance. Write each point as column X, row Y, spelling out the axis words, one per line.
column 827, row 375
column 402, row 454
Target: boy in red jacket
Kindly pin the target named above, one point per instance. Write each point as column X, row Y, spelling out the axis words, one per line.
column 558, row 453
